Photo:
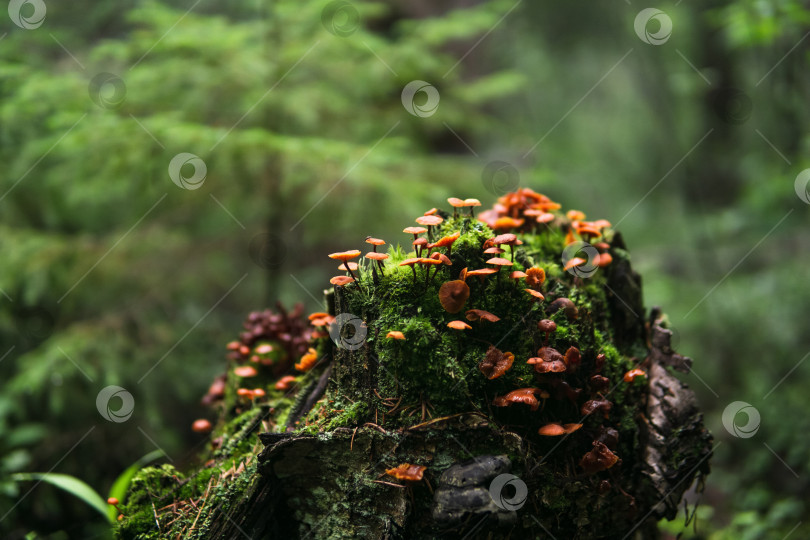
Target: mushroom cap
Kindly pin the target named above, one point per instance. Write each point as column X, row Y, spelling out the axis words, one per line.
column 481, row 315
column 244, row 392
column 340, row 281
column 472, row 202
column 351, row 266
column 575, row 215
column 431, row 212
column 428, row 261
column 456, row 203
column 445, row 240
column 545, row 217
column 264, row 348
column 603, row 259
column 375, row 241
column 596, row 405
column 506, row 223
column 572, row 356
column 200, row 425
column 317, row 315
column 549, row 354
column 395, row 334
column 373, row 255
column 507, row 238
column 421, row 241
column 429, row 220
column 493, row 251
column 598, row 459
column 463, row 274
column 633, row 373
column 258, row 392
column 498, row 261
column 459, row 325
column 547, row 325
column 308, row 360
column 517, row 274
column 495, row 363
column 285, row 382
column 482, row 272
column 409, row 262
column 245, row 371
column 555, row 366
column 535, row 277
column 570, row 428
column 570, row 309
column 442, row 257
column 602, row 246
column 602, row 224
column 521, row 395
column 414, row 230
column 345, row 255
column 588, row 230
column 573, row 263
column 536, row 294
column 408, row 472
column 453, row 295
column 552, row 430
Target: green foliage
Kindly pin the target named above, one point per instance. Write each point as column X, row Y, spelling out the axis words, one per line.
column 72, row 485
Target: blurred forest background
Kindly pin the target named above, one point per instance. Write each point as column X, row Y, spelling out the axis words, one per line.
column 113, row 275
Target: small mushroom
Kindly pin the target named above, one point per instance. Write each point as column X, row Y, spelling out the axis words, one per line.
column 481, row 315
column 633, row 373
column 456, row 204
column 551, row 430
column 548, row 327
column 411, row 262
column 596, row 405
column 535, row 277
column 415, row 231
column 572, row 357
column 348, row 266
column 459, row 325
column 375, row 242
column 481, row 273
column 446, row 241
column 536, row 294
column 495, row 363
column 200, row 426
column 394, row 334
column 245, row 371
column 517, row 274
column 340, row 281
column 575, row 215
column 599, row 363
column 573, row 263
column 407, row 472
column 599, row 383
column 568, row 307
column 453, row 295
column 493, row 251
column 548, row 360
column 603, row 260
column 346, row 256
column 285, row 382
column 471, row 204
column 308, row 360
column 521, row 395
column 598, row 459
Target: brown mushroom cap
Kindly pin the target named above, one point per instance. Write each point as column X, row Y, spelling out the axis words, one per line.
column 552, row 430
column 453, row 295
column 375, row 241
column 508, row 239
column 493, row 251
column 547, row 326
column 429, row 220
column 517, row 274
column 340, row 281
column 407, row 472
column 505, row 223
column 598, row 459
column 482, row 272
column 459, row 325
column 394, row 334
column 495, row 363
column 409, row 262
column 633, row 373
column 201, row 426
column 421, row 241
column 521, row 395
column 570, row 428
column 570, row 309
column 345, row 255
column 572, row 357
column 536, row 294
column 444, row 259
column 596, row 405
column 481, row 315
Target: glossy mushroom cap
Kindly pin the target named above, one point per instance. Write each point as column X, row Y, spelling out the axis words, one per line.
column 453, row 295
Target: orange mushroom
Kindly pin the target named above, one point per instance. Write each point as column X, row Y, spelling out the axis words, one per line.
column 495, row 363
column 308, row 360
column 374, row 242
column 346, row 256
column 453, row 295
column 415, row 231
column 285, row 382
column 481, row 273
column 631, row 375
column 394, row 334
column 521, row 395
column 446, row 241
column 411, row 263
column 573, row 263
column 598, row 459
column 456, row 204
column 459, row 325
column 572, row 357
column 603, row 259
column 245, row 371
column 535, row 277
column 199, row 426
column 471, row 204
column 348, row 266
column 517, row 274
column 537, row 294
column 552, row 430
column 575, row 215
column 407, row 472
column 340, row 281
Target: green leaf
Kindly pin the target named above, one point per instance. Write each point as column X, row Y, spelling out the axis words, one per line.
column 71, row 484
column 121, row 484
